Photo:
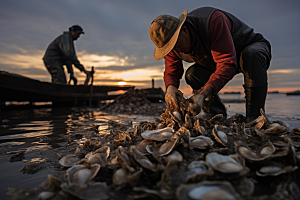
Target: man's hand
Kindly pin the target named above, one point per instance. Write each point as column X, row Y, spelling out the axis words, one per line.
column 196, row 103
column 86, row 72
column 72, row 77
column 173, row 95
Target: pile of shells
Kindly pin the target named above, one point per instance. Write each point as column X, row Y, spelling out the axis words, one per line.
column 135, row 101
column 181, row 156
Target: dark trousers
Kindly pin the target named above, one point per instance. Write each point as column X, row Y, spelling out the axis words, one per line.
column 254, row 62
column 55, row 68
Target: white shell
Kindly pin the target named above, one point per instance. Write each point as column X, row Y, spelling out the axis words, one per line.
column 69, row 160
column 220, row 136
column 158, row 134
column 224, row 164
column 81, row 174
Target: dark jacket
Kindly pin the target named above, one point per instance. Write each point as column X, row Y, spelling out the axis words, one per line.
column 62, row 48
column 242, row 36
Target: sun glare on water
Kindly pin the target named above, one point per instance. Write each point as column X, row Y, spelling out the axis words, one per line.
column 122, row 83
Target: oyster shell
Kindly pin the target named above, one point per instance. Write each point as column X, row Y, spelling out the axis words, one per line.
column 81, row 174
column 69, row 160
column 275, row 170
column 200, row 129
column 141, row 147
column 158, row 134
column 197, row 171
column 207, row 190
column 45, row 195
column 97, row 190
column 220, row 136
column 142, row 160
column 268, row 149
column 99, row 156
column 165, row 148
column 175, row 156
column 120, row 176
column 123, row 159
column 224, row 164
column 123, row 176
column 277, row 128
column 201, row 142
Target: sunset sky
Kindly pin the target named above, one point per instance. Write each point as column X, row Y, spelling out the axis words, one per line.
column 116, row 40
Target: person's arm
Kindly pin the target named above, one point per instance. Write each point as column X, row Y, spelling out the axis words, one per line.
column 172, row 75
column 223, row 52
column 173, row 70
column 67, row 47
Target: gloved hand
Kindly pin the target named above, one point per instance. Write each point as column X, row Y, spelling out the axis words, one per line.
column 72, row 77
column 173, row 95
column 196, row 104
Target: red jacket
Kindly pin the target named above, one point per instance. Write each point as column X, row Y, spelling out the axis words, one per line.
column 222, row 50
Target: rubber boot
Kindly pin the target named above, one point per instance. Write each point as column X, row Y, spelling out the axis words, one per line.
column 255, row 100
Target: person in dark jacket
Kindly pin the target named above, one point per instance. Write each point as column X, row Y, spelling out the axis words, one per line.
column 61, row 52
column 220, row 46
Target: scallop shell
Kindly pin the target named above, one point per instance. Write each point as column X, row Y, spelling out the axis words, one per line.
column 158, row 134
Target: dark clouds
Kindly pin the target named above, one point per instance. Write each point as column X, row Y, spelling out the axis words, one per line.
column 120, row 28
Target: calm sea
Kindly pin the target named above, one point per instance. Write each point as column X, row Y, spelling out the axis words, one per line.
column 23, row 129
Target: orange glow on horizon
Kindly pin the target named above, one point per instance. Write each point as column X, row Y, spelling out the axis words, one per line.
column 122, row 83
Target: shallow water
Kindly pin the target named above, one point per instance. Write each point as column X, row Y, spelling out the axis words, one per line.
column 30, row 130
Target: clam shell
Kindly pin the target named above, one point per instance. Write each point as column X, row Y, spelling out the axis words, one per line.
column 158, row 134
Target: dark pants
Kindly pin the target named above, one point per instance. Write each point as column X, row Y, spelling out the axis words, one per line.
column 55, row 68
column 254, row 62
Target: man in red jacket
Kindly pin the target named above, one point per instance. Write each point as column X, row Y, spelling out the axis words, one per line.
column 220, row 46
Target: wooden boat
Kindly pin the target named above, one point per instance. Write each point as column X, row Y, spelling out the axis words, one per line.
column 14, row 87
